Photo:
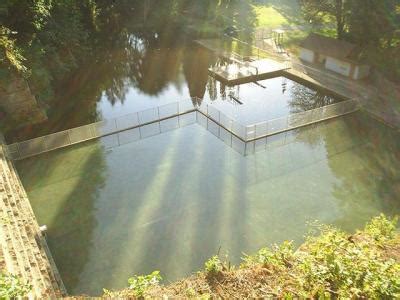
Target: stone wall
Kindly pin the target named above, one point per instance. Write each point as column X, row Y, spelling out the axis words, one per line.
column 18, row 103
column 23, row 248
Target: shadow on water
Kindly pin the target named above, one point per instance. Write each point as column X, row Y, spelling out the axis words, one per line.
column 373, row 165
column 69, row 183
column 364, row 156
column 184, row 194
column 207, row 232
column 183, row 204
column 160, row 206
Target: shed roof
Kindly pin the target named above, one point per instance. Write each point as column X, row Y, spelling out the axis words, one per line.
column 331, row 47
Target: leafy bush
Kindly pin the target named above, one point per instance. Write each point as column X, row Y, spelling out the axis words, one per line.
column 213, row 265
column 12, row 287
column 381, row 228
column 279, row 256
column 334, row 264
column 139, row 284
column 330, row 264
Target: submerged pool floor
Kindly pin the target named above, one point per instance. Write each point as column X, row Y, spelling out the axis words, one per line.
column 170, row 201
column 265, row 99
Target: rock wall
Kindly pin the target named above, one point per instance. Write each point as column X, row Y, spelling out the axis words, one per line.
column 18, row 103
column 23, row 248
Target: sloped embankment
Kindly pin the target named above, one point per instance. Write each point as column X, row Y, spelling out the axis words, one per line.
column 330, row 264
column 23, row 251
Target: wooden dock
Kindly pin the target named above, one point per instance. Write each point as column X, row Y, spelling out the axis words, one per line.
column 241, row 69
column 239, row 72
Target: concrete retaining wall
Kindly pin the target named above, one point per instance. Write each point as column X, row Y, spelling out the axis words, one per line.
column 23, row 248
column 17, row 101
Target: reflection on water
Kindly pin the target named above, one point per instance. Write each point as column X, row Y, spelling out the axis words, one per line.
column 71, row 207
column 170, row 201
column 265, row 100
column 140, row 53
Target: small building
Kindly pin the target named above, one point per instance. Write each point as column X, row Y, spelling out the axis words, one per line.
column 335, row 55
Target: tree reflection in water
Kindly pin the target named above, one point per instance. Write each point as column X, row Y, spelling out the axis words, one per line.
column 304, row 98
column 140, row 45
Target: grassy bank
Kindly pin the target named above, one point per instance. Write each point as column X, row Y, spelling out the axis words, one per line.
column 330, row 264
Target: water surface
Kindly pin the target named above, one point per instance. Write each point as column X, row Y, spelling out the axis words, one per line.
column 170, row 201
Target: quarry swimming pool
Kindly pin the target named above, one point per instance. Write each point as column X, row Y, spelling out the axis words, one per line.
column 171, row 201
column 170, row 195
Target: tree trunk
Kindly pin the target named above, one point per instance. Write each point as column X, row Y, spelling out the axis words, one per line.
column 340, row 29
column 339, row 14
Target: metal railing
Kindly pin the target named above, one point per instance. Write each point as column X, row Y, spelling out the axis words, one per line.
column 300, row 119
column 147, row 123
column 160, row 119
column 256, row 137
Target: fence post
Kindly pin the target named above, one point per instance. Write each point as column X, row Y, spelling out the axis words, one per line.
column 69, row 137
column 207, row 117
column 45, row 143
column 219, row 124
column 158, row 116
column 18, row 151
column 179, row 114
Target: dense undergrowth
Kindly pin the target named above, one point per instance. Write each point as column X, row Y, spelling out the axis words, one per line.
column 330, row 264
column 11, row 287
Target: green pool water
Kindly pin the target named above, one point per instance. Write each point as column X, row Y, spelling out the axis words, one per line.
column 170, row 201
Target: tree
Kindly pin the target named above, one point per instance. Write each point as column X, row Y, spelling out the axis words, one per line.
column 374, row 25
column 374, row 22
column 317, row 12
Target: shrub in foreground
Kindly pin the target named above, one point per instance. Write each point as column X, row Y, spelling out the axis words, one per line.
column 330, row 264
column 12, row 287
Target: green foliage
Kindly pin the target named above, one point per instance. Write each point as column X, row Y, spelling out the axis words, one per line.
column 333, row 263
column 139, row 284
column 269, row 17
column 12, row 287
column 318, row 13
column 41, row 12
column 381, row 228
column 373, row 25
column 278, row 256
column 213, row 265
column 10, row 54
column 190, row 292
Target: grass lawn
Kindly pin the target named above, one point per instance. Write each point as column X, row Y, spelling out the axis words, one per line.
column 286, row 14
column 283, row 14
column 269, row 17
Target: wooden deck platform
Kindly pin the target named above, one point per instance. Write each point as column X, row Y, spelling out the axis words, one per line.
column 239, row 72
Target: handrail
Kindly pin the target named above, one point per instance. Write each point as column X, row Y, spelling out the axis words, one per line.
column 155, row 116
